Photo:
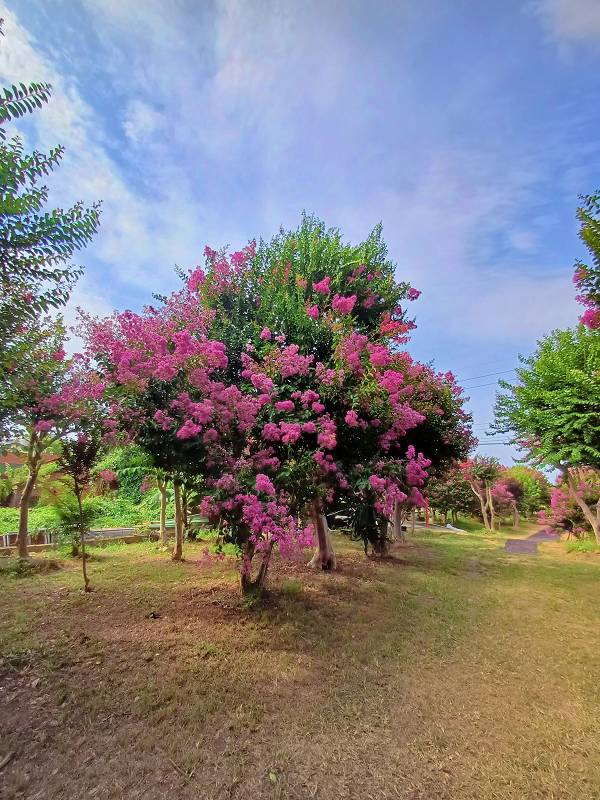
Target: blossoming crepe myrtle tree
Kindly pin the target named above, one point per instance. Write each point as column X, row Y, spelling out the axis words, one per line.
column 564, row 514
column 46, row 403
column 554, row 412
column 587, row 276
column 450, row 493
column 481, row 473
column 311, row 324
column 168, row 389
column 445, row 433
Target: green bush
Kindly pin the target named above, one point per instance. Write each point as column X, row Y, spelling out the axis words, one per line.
column 40, row 517
column 581, row 546
column 115, row 511
column 111, row 511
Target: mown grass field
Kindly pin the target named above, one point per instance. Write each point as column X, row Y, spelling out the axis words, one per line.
column 451, row 670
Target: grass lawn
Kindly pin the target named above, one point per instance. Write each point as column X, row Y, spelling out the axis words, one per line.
column 451, row 670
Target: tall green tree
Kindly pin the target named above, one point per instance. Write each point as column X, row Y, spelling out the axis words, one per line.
column 535, row 486
column 587, row 276
column 553, row 412
column 36, row 243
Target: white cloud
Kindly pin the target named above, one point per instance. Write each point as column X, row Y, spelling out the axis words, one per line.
column 142, row 122
column 139, row 234
column 571, row 20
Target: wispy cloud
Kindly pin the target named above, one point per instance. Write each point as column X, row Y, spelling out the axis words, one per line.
column 571, row 20
column 465, row 134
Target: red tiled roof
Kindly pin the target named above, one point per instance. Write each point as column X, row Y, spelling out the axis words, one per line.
column 14, row 460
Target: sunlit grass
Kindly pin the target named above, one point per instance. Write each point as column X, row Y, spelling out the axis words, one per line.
column 453, row 669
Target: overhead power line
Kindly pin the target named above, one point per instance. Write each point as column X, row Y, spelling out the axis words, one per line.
column 479, row 385
column 488, row 375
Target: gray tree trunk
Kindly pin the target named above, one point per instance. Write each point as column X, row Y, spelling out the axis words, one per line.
column 324, row 556
column 178, row 550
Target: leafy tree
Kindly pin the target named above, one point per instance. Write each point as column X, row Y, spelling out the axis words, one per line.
column 564, row 514
column 506, row 494
column 130, row 466
column 293, row 292
column 481, row 473
column 36, row 245
column 450, row 493
column 20, row 100
column 587, row 276
column 47, row 403
column 79, row 454
column 554, row 413
column 535, row 488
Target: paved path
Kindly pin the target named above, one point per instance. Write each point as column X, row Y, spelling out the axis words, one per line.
column 521, row 546
column 530, row 544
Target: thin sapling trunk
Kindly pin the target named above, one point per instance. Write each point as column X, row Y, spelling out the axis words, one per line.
column 178, row 551
column 82, row 532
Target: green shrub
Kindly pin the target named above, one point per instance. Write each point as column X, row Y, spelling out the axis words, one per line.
column 40, row 517
column 581, row 546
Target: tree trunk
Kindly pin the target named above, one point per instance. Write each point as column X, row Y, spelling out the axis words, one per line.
column 324, row 556
column 162, row 488
column 413, row 519
column 23, row 535
column 178, row 551
column 593, row 519
column 483, row 505
column 516, row 517
column 185, row 517
column 381, row 545
column 86, row 582
column 397, row 523
column 490, row 503
column 249, row 586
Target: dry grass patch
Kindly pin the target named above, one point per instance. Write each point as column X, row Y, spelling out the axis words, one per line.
column 449, row 670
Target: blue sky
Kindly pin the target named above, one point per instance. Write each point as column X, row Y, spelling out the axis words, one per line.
column 468, row 128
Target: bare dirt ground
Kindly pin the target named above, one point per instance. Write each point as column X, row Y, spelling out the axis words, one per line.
column 451, row 670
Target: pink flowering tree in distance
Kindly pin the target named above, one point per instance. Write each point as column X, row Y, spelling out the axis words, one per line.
column 481, row 474
column 568, row 500
column 587, row 276
column 46, row 404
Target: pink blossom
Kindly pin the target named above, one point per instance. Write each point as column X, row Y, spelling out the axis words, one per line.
column 352, row 419
column 265, row 334
column 196, row 279
column 377, row 483
column 164, row 420
column 44, row 425
column 413, row 294
column 108, row 475
column 284, row 405
column 313, row 312
column 379, row 355
column 264, row 484
column 188, row 430
column 343, row 304
column 591, row 318
column 323, row 286
column 291, row 432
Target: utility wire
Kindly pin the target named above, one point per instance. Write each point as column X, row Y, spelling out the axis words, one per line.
column 488, row 374
column 479, row 385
